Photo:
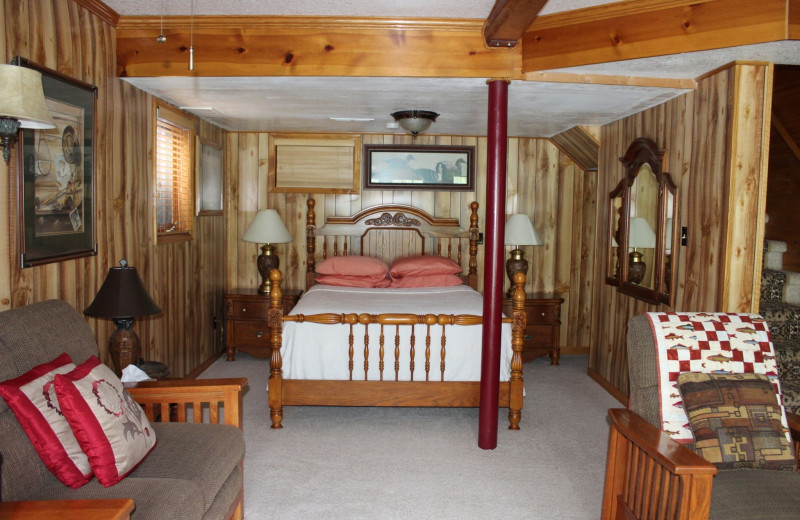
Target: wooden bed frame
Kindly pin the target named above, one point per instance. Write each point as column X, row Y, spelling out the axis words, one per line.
column 428, row 235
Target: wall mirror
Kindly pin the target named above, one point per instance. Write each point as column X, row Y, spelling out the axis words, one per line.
column 642, row 209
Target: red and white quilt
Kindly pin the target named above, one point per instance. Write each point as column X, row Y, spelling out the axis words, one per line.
column 709, row 343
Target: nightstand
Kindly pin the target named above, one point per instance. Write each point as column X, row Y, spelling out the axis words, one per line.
column 246, row 321
column 544, row 322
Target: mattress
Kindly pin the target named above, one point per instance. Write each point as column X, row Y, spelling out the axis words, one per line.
column 315, row 351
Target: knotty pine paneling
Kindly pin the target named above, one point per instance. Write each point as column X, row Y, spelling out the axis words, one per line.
column 186, row 279
column 542, row 182
column 700, row 133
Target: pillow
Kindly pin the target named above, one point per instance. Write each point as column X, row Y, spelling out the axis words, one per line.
column 353, row 266
column 370, row 282
column 736, row 420
column 423, row 265
column 431, row 280
column 109, row 425
column 32, row 398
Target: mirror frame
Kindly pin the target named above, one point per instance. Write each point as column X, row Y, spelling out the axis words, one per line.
column 643, row 151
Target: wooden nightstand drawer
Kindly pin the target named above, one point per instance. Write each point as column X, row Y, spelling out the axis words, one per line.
column 539, row 336
column 246, row 313
column 248, row 309
column 250, row 333
column 545, row 314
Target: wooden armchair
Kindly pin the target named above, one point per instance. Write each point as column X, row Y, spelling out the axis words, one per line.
column 651, row 476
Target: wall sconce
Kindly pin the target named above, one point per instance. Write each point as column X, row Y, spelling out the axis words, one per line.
column 519, row 232
column 121, row 297
column 267, row 228
column 22, row 105
column 640, row 235
column 415, row 121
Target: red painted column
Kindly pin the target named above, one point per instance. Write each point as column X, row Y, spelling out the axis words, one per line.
column 493, row 261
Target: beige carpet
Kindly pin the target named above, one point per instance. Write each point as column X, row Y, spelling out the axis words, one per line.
column 418, row 463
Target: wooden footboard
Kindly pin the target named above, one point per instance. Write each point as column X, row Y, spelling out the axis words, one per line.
column 388, row 390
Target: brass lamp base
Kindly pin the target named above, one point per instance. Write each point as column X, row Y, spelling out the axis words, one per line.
column 516, row 263
column 123, row 345
column 266, row 261
column 636, row 267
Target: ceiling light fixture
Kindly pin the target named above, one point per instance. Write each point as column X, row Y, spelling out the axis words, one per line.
column 161, row 38
column 191, row 35
column 415, row 121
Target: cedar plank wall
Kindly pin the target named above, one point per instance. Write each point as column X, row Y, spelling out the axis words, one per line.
column 700, row 132
column 185, row 279
column 542, row 182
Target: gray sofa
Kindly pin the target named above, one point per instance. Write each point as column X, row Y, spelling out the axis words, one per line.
column 193, row 473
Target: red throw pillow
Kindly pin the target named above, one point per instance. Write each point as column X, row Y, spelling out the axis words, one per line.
column 369, row 282
column 32, row 398
column 353, row 266
column 423, row 265
column 109, row 425
column 431, row 280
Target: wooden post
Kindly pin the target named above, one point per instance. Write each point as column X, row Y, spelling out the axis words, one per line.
column 493, row 264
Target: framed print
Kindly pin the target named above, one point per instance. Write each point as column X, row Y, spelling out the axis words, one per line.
column 208, row 176
column 421, row 167
column 56, row 174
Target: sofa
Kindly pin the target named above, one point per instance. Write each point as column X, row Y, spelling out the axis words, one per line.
column 194, row 472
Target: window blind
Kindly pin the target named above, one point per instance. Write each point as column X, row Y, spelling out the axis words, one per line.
column 173, row 178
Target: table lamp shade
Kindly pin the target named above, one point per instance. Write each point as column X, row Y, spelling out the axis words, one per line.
column 122, row 295
column 520, row 232
column 641, row 234
column 267, row 228
column 23, row 97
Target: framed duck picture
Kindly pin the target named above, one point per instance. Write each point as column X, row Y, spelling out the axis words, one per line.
column 421, row 167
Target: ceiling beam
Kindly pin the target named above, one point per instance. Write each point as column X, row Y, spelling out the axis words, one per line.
column 508, row 21
column 645, row 28
column 310, row 46
column 602, row 79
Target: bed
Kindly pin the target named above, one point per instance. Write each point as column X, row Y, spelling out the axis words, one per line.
column 420, row 347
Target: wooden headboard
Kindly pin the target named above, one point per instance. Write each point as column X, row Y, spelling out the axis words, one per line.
column 394, row 231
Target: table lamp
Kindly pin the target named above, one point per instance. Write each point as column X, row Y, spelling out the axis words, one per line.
column 267, row 228
column 519, row 232
column 121, row 297
column 22, row 105
column 640, row 235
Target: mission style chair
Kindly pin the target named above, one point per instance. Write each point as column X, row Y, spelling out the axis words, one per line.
column 650, row 475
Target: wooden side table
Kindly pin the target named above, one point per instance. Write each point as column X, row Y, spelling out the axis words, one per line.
column 246, row 321
column 102, row 509
column 544, row 323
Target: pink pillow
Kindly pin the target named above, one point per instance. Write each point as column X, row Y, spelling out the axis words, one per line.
column 429, row 280
column 423, row 265
column 109, row 425
column 32, row 398
column 353, row 266
column 369, row 282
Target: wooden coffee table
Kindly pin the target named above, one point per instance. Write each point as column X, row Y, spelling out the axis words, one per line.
column 105, row 509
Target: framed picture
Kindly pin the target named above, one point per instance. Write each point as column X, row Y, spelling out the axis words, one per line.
column 56, row 174
column 208, row 177
column 421, row 167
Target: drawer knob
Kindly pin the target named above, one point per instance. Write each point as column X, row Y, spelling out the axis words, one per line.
column 244, row 309
column 259, row 333
column 527, row 337
column 542, row 314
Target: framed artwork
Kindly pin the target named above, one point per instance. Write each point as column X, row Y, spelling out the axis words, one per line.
column 56, row 174
column 420, row 167
column 208, row 177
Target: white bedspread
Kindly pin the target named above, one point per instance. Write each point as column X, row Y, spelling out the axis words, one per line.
column 314, row 351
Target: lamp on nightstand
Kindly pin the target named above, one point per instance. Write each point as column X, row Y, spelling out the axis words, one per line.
column 519, row 232
column 267, row 228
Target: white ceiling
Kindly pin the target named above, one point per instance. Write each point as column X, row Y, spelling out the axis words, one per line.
column 306, row 104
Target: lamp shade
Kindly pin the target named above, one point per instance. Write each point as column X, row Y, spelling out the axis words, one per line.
column 122, row 295
column 267, row 228
column 415, row 121
column 520, row 232
column 641, row 234
column 22, row 97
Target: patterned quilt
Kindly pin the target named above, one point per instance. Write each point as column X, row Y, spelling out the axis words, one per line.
column 709, row 343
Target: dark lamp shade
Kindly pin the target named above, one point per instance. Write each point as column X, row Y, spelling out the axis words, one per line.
column 122, row 295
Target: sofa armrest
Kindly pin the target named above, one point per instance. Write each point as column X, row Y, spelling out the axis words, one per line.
column 647, row 471
column 157, row 396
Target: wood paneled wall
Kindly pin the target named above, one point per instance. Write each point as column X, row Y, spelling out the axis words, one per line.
column 185, row 279
column 712, row 139
column 543, row 182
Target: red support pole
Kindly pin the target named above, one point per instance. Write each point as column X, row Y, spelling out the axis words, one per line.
column 493, row 261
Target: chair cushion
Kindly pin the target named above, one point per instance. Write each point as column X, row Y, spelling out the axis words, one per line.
column 32, row 398
column 733, row 491
column 109, row 425
column 736, row 420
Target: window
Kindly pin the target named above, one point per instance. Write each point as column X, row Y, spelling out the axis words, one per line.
column 173, row 177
